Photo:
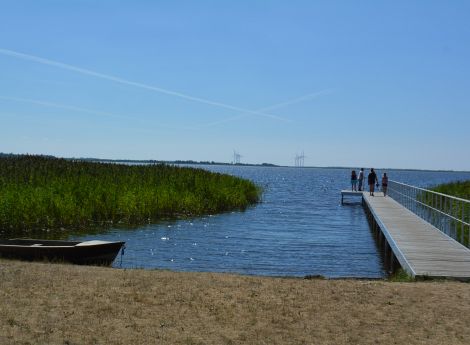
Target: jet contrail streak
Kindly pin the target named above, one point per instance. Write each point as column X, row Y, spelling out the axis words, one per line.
column 272, row 107
column 62, row 106
column 78, row 109
column 132, row 83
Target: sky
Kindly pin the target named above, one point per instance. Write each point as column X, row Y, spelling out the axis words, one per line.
column 349, row 83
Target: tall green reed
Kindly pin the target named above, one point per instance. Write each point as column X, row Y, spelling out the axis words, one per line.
column 38, row 192
column 458, row 209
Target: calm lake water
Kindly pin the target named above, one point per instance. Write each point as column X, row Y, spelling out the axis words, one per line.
column 300, row 228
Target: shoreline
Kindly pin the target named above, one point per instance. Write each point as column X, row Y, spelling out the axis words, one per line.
column 209, row 163
column 46, row 303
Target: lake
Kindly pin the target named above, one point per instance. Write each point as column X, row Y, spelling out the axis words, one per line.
column 300, row 228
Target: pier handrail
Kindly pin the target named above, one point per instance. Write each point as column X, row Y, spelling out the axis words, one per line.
column 449, row 214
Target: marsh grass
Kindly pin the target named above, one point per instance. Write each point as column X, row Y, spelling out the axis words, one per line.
column 460, row 189
column 40, row 193
column 401, row 276
column 455, row 213
column 459, row 210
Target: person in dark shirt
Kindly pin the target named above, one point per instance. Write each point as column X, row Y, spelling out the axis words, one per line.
column 372, row 180
column 353, row 181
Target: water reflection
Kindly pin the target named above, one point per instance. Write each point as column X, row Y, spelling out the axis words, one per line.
column 299, row 229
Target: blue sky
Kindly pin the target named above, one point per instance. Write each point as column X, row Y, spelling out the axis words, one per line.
column 368, row 83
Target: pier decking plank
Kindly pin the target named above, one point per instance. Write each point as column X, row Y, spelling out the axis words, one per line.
column 421, row 249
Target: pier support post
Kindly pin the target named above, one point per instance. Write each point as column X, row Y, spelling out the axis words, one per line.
column 387, row 262
column 395, row 265
column 390, row 261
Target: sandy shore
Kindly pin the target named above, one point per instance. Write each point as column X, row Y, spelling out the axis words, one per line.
column 65, row 304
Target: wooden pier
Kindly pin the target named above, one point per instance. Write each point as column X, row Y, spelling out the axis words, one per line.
column 408, row 241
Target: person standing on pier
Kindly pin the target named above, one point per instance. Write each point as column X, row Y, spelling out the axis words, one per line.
column 372, row 180
column 384, row 184
column 354, row 181
column 360, row 178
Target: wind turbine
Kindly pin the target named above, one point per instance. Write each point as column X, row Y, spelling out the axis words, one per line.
column 236, row 157
column 300, row 159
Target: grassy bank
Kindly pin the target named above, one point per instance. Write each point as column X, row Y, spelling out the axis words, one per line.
column 48, row 193
column 65, row 304
column 458, row 209
column 459, row 189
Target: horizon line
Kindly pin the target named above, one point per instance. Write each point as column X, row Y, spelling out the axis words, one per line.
column 272, row 165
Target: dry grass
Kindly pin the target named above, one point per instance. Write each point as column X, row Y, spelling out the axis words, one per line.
column 65, row 304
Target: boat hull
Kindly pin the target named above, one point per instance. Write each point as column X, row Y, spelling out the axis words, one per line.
column 81, row 253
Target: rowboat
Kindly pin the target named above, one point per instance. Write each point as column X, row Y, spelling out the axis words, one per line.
column 82, row 253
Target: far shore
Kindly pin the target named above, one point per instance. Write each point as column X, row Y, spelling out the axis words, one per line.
column 65, row 304
column 265, row 165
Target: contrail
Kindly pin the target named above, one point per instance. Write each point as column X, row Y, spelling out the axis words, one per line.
column 132, row 83
column 79, row 109
column 112, row 115
column 299, row 99
column 272, row 107
column 63, row 106
column 141, row 130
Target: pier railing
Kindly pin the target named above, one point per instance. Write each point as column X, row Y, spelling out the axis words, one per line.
column 449, row 214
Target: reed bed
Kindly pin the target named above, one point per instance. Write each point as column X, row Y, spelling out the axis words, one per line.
column 39, row 193
column 460, row 189
column 459, row 210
